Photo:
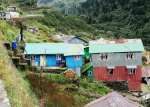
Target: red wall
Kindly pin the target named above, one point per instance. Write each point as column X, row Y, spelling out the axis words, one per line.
column 120, row 74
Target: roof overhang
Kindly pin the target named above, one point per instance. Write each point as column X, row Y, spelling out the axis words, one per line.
column 131, row 67
column 110, row 67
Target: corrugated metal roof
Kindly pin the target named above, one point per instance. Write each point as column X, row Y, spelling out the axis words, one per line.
column 46, row 48
column 75, row 49
column 113, row 99
column 69, row 70
column 63, row 37
column 86, row 67
column 66, row 38
column 146, row 72
column 122, row 47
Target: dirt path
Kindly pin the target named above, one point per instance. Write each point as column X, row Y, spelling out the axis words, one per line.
column 4, row 101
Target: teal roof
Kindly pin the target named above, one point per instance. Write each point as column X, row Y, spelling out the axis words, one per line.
column 46, row 48
column 114, row 47
column 86, row 67
column 75, row 49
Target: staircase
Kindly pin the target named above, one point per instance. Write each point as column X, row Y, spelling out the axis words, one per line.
column 18, row 57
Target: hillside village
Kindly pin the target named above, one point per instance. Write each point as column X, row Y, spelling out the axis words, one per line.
column 65, row 70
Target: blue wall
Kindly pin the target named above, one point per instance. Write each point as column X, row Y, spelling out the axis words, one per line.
column 72, row 64
column 51, row 60
column 77, row 40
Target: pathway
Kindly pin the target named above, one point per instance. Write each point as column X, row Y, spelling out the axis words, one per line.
column 4, row 101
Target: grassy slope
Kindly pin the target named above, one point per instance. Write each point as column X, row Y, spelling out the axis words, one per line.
column 15, row 86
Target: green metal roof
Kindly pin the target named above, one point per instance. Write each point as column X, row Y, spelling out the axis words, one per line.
column 120, row 47
column 46, row 48
column 75, row 49
column 86, row 67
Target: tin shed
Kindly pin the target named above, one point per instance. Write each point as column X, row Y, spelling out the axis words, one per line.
column 119, row 60
column 69, row 73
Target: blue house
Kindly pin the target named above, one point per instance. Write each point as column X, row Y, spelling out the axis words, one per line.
column 52, row 54
column 76, row 39
column 46, row 54
column 71, row 39
column 74, row 57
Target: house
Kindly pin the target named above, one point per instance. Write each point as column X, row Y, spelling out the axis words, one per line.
column 74, row 57
column 12, row 8
column 69, row 73
column 113, row 99
column 54, row 54
column 9, row 16
column 70, row 39
column 13, row 16
column 76, row 39
column 146, row 75
column 46, row 54
column 119, row 60
column 32, row 29
column 87, row 70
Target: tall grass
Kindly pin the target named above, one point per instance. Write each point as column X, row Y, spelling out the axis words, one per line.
column 14, row 84
column 49, row 93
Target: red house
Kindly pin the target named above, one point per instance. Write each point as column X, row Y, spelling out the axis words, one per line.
column 119, row 60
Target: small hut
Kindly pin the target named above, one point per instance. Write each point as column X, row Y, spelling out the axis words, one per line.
column 69, row 73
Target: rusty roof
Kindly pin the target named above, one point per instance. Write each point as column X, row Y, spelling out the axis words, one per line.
column 118, row 41
column 113, row 99
column 146, row 72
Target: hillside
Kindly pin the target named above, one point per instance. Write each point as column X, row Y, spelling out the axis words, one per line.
column 120, row 18
column 17, row 88
column 65, row 6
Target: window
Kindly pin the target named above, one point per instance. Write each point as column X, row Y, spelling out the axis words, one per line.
column 58, row 57
column 110, row 71
column 76, row 57
column 33, row 57
column 103, row 57
column 130, row 55
column 131, row 71
column 89, row 73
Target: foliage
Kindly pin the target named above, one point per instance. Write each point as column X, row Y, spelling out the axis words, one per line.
column 49, row 93
column 124, row 18
column 59, row 78
column 66, row 23
column 17, row 91
column 96, row 87
column 144, row 60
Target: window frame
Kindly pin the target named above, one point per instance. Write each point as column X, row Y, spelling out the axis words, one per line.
column 131, row 71
column 76, row 57
column 33, row 57
column 58, row 57
column 131, row 55
column 89, row 73
column 103, row 56
column 109, row 72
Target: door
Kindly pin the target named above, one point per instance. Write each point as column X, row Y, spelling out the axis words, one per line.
column 42, row 60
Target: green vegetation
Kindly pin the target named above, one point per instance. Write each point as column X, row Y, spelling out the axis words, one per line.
column 122, row 18
column 59, row 91
column 18, row 93
column 66, row 23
